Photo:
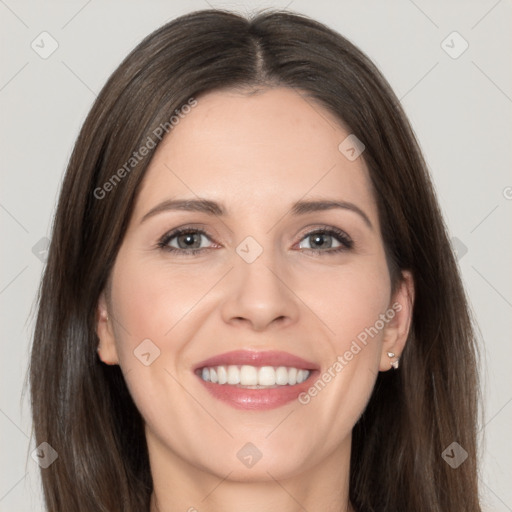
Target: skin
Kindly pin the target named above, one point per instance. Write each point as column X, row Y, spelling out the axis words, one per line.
column 257, row 155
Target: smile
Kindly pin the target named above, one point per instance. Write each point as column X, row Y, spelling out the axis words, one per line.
column 253, row 377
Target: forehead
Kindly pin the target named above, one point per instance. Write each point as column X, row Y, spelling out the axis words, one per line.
column 265, row 150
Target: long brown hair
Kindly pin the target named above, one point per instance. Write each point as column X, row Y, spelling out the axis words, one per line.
column 82, row 407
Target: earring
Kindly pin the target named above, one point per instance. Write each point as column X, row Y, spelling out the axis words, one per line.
column 394, row 365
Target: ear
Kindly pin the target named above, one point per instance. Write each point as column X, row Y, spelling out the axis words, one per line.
column 107, row 351
column 397, row 328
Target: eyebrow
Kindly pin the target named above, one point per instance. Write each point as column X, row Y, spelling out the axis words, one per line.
column 213, row 208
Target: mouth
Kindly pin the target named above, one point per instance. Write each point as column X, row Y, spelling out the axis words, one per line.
column 256, row 380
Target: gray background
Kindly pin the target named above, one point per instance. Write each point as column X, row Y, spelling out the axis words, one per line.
column 460, row 108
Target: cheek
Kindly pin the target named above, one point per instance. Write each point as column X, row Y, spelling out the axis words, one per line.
column 150, row 302
column 356, row 311
column 350, row 301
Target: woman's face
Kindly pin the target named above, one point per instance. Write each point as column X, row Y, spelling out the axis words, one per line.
column 266, row 275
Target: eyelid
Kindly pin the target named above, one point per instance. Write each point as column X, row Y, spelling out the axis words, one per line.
column 314, row 228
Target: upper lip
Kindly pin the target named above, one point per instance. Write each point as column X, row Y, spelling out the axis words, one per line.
column 258, row 358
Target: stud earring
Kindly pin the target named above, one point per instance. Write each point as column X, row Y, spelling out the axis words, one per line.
column 394, row 364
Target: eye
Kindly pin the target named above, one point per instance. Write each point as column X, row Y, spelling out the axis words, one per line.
column 184, row 241
column 324, row 240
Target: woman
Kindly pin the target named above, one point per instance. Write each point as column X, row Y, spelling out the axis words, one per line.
column 250, row 299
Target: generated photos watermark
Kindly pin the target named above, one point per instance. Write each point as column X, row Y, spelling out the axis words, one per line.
column 342, row 360
column 151, row 142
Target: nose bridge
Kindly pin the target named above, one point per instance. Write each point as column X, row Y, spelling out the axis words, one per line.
column 258, row 291
column 258, row 266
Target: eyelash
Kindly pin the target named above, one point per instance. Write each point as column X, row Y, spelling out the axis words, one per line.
column 341, row 237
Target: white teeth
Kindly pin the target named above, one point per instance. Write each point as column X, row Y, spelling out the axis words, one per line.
column 282, row 376
column 254, row 376
column 301, row 375
column 222, row 374
column 248, row 375
column 266, row 376
column 233, row 375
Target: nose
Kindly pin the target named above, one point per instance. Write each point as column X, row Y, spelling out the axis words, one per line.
column 260, row 294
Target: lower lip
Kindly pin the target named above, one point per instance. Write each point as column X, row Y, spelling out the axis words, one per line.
column 257, row 399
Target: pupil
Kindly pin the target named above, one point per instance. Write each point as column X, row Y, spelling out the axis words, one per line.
column 318, row 239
